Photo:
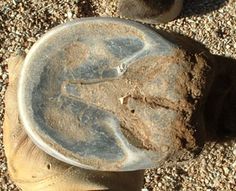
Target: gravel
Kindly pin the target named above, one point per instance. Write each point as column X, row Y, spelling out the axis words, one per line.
column 212, row 22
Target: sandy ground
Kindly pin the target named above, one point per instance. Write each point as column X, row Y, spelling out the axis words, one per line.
column 212, row 22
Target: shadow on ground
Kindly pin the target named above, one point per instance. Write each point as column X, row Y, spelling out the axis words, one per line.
column 220, row 109
column 87, row 8
column 200, row 7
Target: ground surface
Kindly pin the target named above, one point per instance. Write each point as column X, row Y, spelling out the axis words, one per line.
column 212, row 22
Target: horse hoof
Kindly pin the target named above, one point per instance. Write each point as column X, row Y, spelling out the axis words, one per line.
column 113, row 95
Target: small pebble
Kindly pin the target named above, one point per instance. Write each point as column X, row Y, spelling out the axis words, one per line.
column 234, row 152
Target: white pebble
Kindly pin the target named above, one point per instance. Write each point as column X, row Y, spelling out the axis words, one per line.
column 226, row 170
column 69, row 15
column 4, row 76
column 234, row 152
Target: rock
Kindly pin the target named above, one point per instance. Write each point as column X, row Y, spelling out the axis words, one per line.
column 234, row 152
column 73, row 80
column 150, row 11
column 226, row 170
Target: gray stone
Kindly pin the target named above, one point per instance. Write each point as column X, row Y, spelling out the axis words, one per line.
column 150, row 11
